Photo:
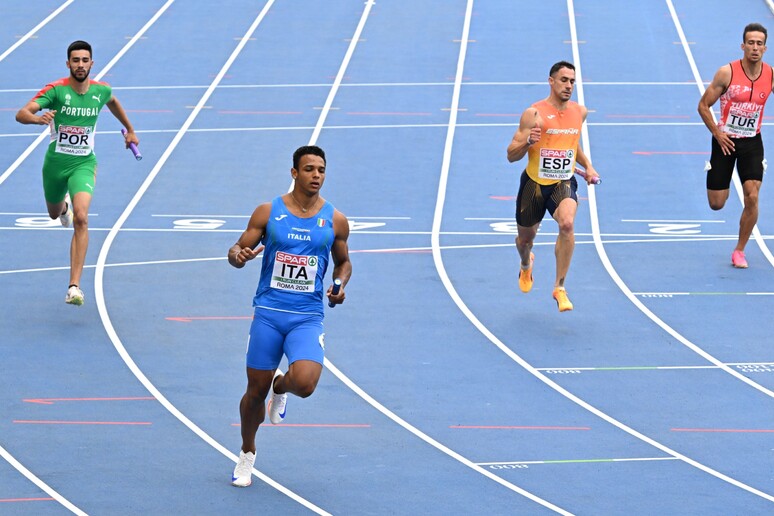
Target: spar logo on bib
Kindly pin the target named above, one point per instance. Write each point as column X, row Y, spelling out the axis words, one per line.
column 294, row 259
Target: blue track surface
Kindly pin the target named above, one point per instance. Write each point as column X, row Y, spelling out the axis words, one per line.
column 447, row 391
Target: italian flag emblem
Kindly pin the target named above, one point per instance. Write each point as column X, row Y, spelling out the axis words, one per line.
column 320, row 223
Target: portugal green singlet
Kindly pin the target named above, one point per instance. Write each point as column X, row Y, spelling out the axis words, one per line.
column 75, row 122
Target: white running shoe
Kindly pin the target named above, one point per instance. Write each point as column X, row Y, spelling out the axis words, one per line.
column 243, row 472
column 74, row 296
column 278, row 403
column 66, row 218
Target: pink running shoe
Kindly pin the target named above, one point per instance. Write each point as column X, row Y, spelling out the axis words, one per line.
column 738, row 261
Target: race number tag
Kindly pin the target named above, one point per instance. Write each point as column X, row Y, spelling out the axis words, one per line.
column 743, row 121
column 556, row 164
column 295, row 273
column 74, row 140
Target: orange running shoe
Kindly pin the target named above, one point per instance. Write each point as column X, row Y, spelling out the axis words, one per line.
column 525, row 275
column 560, row 294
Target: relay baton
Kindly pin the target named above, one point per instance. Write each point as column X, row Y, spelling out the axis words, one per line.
column 336, row 288
column 133, row 148
column 597, row 180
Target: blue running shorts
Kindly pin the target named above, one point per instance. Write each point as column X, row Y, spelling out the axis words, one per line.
column 273, row 332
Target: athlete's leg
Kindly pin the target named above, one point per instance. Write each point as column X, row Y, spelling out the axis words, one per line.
column 301, row 378
column 80, row 242
column 749, row 217
column 565, row 242
column 719, row 169
column 56, row 210
column 252, row 409
column 525, row 239
column 717, row 198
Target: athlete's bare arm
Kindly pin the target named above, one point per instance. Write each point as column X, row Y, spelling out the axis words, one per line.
column 583, row 160
column 117, row 109
column 527, row 134
column 342, row 267
column 27, row 115
column 246, row 248
column 711, row 95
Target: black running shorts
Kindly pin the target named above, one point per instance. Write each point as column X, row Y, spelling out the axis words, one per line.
column 748, row 157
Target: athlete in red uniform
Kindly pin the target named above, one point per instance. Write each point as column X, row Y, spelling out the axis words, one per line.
column 549, row 133
column 742, row 88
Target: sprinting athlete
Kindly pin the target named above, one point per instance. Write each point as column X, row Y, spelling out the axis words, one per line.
column 549, row 134
column 743, row 88
column 297, row 232
column 70, row 166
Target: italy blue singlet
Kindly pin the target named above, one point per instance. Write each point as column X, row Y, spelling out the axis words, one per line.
column 295, row 259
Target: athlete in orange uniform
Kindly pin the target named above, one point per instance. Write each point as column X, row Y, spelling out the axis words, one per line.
column 743, row 88
column 549, row 132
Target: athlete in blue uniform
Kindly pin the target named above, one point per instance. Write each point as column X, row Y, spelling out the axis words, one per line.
column 297, row 232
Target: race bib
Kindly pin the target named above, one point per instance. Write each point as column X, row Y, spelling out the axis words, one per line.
column 742, row 122
column 556, row 164
column 295, row 273
column 74, row 140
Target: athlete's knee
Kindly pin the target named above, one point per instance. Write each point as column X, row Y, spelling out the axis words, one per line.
column 252, row 401
column 304, row 388
column 716, row 205
column 566, row 225
column 751, row 198
column 717, row 199
column 81, row 219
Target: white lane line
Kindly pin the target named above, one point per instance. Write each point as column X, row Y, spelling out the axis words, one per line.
column 38, row 482
column 625, row 289
column 437, row 259
column 42, row 136
column 13, row 167
column 35, row 29
column 328, row 364
column 99, row 291
column 340, row 74
column 571, row 461
column 369, row 85
column 756, row 234
column 757, row 366
column 374, row 126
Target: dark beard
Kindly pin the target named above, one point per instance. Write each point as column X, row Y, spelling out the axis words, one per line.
column 85, row 77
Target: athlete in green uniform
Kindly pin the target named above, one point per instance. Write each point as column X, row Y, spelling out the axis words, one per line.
column 70, row 166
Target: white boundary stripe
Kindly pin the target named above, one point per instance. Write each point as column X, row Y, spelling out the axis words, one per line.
column 770, row 4
column 99, row 292
column 579, row 461
column 38, row 482
column 756, row 234
column 35, row 29
column 42, row 136
column 625, row 289
column 435, row 240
